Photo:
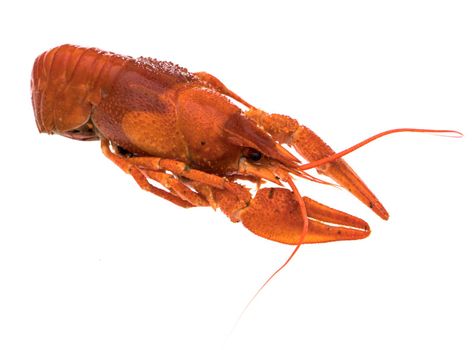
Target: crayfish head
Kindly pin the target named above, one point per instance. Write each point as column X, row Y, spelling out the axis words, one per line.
column 259, row 166
column 254, row 163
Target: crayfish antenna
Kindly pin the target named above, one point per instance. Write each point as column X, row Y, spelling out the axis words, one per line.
column 343, row 153
column 303, row 211
column 304, row 175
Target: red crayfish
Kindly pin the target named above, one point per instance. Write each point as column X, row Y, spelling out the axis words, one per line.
column 192, row 135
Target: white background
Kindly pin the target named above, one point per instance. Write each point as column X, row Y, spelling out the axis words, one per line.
column 89, row 261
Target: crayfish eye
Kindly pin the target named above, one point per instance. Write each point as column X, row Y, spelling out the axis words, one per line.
column 252, row 154
column 123, row 152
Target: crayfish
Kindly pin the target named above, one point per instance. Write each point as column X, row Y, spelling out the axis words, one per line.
column 189, row 133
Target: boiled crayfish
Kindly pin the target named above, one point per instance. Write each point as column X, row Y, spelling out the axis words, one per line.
column 186, row 131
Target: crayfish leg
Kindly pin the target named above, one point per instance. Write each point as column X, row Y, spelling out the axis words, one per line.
column 141, row 179
column 177, row 187
column 216, row 84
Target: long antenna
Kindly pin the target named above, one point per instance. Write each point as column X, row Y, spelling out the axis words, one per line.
column 335, row 156
column 303, row 211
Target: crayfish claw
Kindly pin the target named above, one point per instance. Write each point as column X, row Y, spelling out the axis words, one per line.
column 274, row 214
column 312, row 147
